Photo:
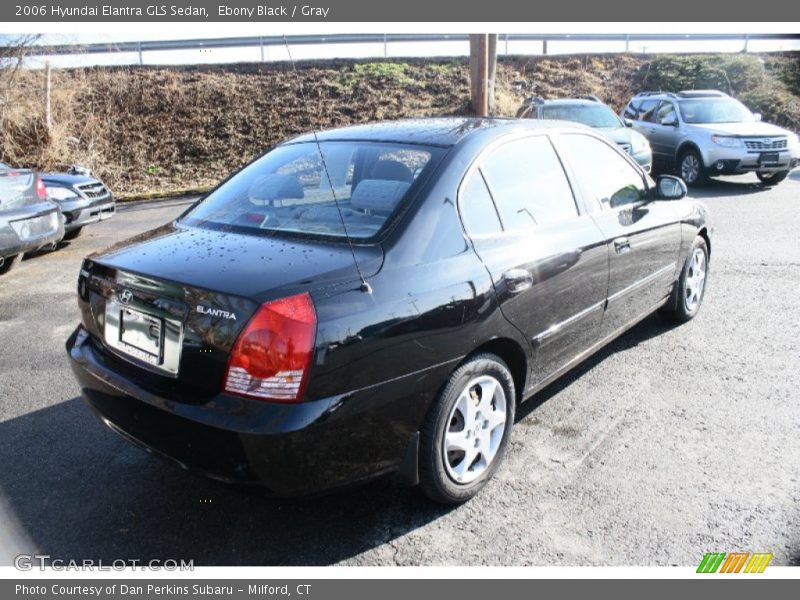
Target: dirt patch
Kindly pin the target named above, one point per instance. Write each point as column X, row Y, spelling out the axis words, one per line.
column 154, row 130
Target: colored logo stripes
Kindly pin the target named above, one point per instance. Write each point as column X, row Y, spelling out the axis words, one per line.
column 734, row 562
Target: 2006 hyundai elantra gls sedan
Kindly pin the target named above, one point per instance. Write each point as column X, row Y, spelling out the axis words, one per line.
column 379, row 299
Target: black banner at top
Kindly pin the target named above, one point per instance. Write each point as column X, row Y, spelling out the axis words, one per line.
column 406, row 11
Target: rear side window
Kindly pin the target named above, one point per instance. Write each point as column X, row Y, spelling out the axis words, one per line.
column 477, row 208
column 528, row 184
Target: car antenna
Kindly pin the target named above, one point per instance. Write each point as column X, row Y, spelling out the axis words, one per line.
column 365, row 286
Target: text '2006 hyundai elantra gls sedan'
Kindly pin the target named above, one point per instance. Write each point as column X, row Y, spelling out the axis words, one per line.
column 379, row 299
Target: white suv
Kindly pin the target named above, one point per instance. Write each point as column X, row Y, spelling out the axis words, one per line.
column 706, row 132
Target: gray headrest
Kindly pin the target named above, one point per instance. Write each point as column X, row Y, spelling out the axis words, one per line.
column 275, row 187
column 391, row 169
column 378, row 195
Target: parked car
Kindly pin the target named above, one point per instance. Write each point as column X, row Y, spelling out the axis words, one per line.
column 706, row 132
column 315, row 323
column 28, row 220
column 590, row 111
column 83, row 199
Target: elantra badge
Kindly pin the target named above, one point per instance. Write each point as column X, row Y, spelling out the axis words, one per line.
column 215, row 312
column 125, row 296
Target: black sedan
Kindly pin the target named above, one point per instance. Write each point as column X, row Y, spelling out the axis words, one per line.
column 378, row 299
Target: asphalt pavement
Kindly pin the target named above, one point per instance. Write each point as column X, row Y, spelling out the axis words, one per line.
column 670, row 443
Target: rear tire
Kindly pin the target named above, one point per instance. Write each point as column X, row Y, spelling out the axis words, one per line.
column 691, row 285
column 73, row 233
column 770, row 179
column 691, row 168
column 465, row 434
column 9, row 263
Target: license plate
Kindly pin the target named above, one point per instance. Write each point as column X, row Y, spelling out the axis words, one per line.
column 768, row 157
column 142, row 331
column 149, row 338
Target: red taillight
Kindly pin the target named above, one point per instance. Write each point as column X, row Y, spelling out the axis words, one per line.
column 270, row 360
column 41, row 191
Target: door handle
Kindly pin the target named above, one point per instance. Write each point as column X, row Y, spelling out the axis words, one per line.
column 518, row 280
column 622, row 245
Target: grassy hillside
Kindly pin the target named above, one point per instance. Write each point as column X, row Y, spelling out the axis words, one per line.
column 154, row 130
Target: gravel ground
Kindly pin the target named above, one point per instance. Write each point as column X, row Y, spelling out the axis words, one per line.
column 672, row 442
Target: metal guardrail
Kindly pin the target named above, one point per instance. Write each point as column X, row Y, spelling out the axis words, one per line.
column 387, row 38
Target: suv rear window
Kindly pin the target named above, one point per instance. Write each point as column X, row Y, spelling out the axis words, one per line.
column 288, row 190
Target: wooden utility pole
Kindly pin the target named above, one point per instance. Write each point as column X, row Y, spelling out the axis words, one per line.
column 483, row 66
column 48, row 119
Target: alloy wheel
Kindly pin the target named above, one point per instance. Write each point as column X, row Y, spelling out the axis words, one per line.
column 475, row 429
column 695, row 280
column 690, row 168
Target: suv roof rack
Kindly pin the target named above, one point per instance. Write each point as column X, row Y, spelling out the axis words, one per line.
column 591, row 97
column 702, row 94
column 650, row 93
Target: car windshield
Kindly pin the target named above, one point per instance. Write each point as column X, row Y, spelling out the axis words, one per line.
column 593, row 116
column 288, row 190
column 722, row 110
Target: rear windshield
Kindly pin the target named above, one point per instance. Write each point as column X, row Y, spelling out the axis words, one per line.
column 288, row 190
column 593, row 116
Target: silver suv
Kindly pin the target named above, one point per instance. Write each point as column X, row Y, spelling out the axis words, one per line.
column 706, row 132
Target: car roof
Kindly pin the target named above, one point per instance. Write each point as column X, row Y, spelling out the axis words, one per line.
column 438, row 131
column 573, row 102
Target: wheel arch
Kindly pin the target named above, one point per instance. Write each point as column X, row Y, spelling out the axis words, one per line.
column 513, row 355
column 703, row 233
column 688, row 145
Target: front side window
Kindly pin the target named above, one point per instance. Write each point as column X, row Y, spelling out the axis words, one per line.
column 602, row 172
column 647, row 110
column 666, row 113
column 528, row 184
column 289, row 190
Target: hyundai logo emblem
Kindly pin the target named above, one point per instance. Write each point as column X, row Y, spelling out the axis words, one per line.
column 125, row 296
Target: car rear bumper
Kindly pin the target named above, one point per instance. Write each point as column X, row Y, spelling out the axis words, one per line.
column 46, row 227
column 84, row 211
column 289, row 449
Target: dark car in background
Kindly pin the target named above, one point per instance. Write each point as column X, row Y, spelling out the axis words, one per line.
column 378, row 299
column 83, row 199
column 590, row 111
column 28, row 220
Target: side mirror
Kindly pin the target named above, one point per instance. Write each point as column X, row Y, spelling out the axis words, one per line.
column 669, row 187
column 627, row 122
column 757, row 116
column 670, row 121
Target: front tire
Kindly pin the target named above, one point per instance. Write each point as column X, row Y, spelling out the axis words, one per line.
column 73, row 234
column 772, row 178
column 691, row 167
column 691, row 285
column 465, row 434
column 9, row 263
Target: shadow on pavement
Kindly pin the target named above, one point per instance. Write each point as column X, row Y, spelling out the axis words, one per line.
column 78, row 491
column 650, row 327
column 715, row 188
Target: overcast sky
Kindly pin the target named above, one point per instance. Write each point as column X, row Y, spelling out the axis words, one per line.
column 136, row 32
